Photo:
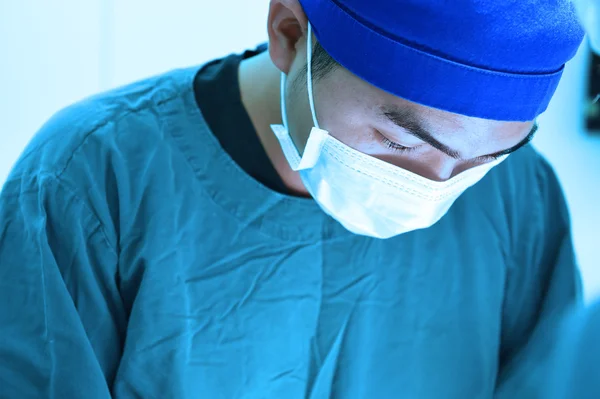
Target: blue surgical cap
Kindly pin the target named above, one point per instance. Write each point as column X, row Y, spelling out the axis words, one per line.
column 492, row 59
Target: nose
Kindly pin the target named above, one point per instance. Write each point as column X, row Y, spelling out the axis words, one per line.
column 439, row 168
column 434, row 166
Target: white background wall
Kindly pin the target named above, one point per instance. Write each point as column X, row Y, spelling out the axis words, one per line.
column 54, row 53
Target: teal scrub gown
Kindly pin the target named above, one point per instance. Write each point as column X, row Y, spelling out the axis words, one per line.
column 137, row 260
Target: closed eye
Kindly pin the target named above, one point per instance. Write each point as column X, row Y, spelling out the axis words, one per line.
column 488, row 158
column 393, row 145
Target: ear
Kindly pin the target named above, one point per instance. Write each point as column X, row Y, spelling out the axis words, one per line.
column 287, row 26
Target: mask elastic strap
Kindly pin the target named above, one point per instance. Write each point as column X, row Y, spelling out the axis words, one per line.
column 283, row 107
column 309, row 81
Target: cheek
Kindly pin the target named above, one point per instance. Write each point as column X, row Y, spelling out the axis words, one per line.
column 343, row 110
column 299, row 118
column 350, row 126
column 358, row 136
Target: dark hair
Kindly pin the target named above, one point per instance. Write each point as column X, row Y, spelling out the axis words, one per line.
column 322, row 65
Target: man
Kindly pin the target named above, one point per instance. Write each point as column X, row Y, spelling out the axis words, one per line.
column 332, row 217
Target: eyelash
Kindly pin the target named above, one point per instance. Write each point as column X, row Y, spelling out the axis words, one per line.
column 488, row 158
column 394, row 146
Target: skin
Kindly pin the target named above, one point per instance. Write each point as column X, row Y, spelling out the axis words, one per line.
column 350, row 109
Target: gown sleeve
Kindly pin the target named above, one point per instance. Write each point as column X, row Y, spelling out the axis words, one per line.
column 575, row 367
column 543, row 283
column 61, row 317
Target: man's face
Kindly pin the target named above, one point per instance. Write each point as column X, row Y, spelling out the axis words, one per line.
column 432, row 143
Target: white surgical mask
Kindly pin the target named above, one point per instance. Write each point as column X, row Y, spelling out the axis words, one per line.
column 367, row 195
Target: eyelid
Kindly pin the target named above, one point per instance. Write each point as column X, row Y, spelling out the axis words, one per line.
column 393, row 146
column 391, row 143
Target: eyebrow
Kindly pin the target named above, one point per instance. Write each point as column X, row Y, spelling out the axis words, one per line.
column 408, row 121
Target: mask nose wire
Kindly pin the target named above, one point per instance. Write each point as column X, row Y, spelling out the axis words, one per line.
column 309, row 81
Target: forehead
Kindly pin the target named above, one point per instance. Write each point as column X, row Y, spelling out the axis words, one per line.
column 360, row 103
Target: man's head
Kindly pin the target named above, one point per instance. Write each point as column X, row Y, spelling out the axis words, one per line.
column 392, row 108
